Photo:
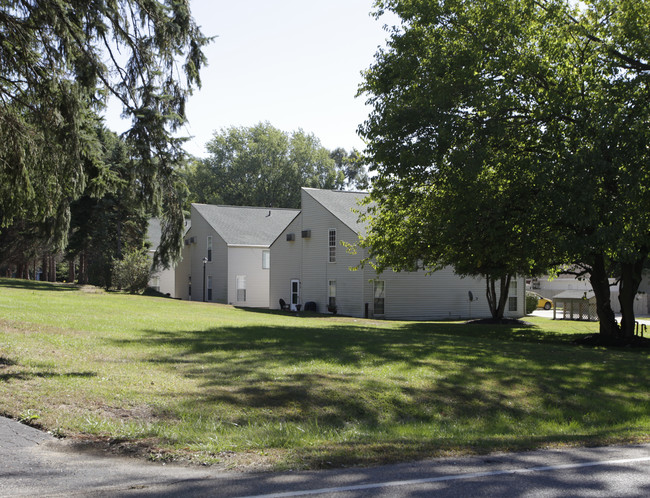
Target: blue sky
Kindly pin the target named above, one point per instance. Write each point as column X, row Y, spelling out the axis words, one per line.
column 293, row 63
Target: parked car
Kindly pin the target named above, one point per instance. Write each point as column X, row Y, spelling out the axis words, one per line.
column 542, row 302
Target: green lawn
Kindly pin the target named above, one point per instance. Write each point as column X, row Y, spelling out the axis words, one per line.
column 216, row 384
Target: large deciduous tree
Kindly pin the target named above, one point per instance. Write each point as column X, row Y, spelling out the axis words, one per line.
column 353, row 168
column 487, row 105
column 263, row 166
column 59, row 61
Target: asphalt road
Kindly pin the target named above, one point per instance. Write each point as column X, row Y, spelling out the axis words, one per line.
column 33, row 463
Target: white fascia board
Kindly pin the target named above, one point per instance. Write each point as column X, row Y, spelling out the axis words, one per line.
column 254, row 246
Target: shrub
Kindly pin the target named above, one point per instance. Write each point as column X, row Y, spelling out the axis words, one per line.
column 531, row 302
column 132, row 272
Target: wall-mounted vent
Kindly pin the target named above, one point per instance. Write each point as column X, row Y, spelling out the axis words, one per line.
column 306, row 234
column 291, row 236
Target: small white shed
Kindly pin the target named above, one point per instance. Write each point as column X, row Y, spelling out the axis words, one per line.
column 575, row 305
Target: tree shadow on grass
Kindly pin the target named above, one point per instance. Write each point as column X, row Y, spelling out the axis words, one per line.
column 16, row 283
column 295, row 314
column 472, row 384
column 503, row 331
column 26, row 375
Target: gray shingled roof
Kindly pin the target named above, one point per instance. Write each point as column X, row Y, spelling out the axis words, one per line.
column 247, row 226
column 341, row 203
column 154, row 232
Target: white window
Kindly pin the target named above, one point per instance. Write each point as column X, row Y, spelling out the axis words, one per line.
column 266, row 260
column 380, row 293
column 512, row 298
column 155, row 283
column 209, row 248
column 241, row 288
column 331, row 293
column 209, row 287
column 332, row 245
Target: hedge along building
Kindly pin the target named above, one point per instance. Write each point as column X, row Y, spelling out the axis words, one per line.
column 309, row 263
column 226, row 254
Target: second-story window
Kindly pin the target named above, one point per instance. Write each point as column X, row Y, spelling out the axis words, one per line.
column 209, row 248
column 266, row 260
column 332, row 245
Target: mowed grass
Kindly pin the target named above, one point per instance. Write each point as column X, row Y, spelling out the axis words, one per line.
column 216, row 384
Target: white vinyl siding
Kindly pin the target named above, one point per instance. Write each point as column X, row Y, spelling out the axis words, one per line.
column 316, row 271
column 192, row 262
column 442, row 295
column 245, row 261
column 287, row 257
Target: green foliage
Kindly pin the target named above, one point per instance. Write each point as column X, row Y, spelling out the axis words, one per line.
column 202, row 380
column 531, row 302
column 353, row 168
column 60, row 60
column 102, row 225
column 264, row 166
column 132, row 272
column 515, row 147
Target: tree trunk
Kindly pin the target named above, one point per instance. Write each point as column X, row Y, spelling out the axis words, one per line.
column 119, row 239
column 497, row 308
column 83, row 273
column 600, row 285
column 45, row 268
column 52, row 274
column 71, row 272
column 629, row 285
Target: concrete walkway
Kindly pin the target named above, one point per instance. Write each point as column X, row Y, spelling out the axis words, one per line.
column 549, row 314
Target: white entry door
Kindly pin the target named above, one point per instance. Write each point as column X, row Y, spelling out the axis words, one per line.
column 295, row 294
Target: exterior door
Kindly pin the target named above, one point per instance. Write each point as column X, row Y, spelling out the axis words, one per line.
column 295, row 294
